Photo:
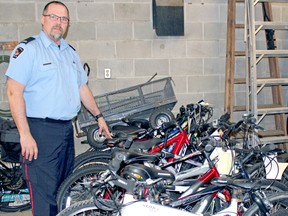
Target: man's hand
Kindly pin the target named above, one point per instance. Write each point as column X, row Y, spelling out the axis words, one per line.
column 103, row 128
column 29, row 149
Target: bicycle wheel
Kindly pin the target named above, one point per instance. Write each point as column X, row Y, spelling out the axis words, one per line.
column 14, row 194
column 86, row 207
column 90, row 158
column 77, row 186
column 277, row 199
column 285, row 177
column 15, row 200
column 283, row 212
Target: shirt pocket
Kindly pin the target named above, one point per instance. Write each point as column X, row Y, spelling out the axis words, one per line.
column 47, row 71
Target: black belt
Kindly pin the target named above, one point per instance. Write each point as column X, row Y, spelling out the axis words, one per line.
column 58, row 121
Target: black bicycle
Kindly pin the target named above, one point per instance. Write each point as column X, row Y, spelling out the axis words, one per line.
column 14, row 193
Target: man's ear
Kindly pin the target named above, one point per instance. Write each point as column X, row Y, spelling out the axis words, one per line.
column 42, row 19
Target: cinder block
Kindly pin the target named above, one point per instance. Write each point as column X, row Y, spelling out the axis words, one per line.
column 91, row 11
column 215, row 31
column 133, row 11
column 8, row 31
column 186, row 66
column 180, row 84
column 169, row 48
column 96, row 50
column 202, row 49
column 115, row 31
column 202, row 13
column 20, row 12
column 149, row 67
column 193, row 31
column 29, row 29
column 144, row 30
column 119, row 68
column 203, row 84
column 214, row 66
column 133, row 49
column 82, row 31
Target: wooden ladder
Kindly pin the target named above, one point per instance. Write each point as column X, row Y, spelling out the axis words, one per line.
column 252, row 81
column 6, row 46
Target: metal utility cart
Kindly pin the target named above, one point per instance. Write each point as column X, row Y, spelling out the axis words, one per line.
column 134, row 102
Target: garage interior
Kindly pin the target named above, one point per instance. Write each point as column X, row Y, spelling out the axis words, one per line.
column 230, row 54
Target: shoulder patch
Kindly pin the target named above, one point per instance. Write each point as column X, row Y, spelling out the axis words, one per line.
column 27, row 40
column 72, row 47
column 18, row 51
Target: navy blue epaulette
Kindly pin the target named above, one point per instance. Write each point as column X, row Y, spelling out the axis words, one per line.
column 27, row 40
column 72, row 47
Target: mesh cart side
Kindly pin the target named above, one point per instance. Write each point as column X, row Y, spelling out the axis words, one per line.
column 136, row 101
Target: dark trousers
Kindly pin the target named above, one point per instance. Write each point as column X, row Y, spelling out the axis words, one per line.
column 55, row 142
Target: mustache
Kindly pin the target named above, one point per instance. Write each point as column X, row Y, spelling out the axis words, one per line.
column 57, row 26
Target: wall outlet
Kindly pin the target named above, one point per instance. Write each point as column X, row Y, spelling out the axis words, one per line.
column 107, row 73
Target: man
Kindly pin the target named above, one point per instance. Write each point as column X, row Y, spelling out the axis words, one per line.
column 45, row 83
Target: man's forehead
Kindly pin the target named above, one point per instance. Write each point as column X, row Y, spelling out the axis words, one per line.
column 53, row 8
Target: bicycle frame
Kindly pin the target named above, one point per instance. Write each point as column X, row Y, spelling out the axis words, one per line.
column 177, row 144
column 142, row 208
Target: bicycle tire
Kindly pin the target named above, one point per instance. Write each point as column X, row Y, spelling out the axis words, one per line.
column 277, row 199
column 285, row 177
column 14, row 193
column 76, row 187
column 90, row 158
column 283, row 212
column 86, row 207
column 20, row 201
column 270, row 187
column 18, row 208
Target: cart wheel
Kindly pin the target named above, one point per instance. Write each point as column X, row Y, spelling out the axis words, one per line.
column 94, row 139
column 159, row 116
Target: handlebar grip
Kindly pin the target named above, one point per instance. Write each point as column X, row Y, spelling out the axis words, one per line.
column 128, row 142
column 115, row 163
column 225, row 117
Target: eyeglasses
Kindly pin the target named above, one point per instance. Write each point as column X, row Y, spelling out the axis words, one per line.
column 54, row 17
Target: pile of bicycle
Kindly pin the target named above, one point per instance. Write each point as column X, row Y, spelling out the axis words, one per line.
column 189, row 165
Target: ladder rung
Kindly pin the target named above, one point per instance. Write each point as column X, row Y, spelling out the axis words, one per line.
column 240, row 26
column 239, row 108
column 270, row 133
column 272, row 81
column 272, row 25
column 272, row 53
column 240, row 81
column 272, row 1
column 275, row 139
column 240, row 53
column 272, row 110
column 265, row 109
column 266, row 81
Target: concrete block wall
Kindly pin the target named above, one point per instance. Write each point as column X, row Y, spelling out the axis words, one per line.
column 119, row 35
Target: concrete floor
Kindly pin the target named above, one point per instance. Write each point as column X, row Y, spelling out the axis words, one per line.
column 24, row 213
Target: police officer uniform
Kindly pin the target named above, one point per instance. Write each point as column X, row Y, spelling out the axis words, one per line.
column 52, row 76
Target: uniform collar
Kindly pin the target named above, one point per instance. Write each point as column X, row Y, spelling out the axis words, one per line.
column 47, row 42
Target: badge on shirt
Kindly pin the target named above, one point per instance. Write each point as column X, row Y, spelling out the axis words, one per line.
column 18, row 51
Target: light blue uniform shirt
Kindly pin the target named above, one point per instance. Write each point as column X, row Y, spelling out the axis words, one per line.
column 51, row 76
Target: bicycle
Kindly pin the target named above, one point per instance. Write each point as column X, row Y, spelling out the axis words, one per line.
column 147, row 194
